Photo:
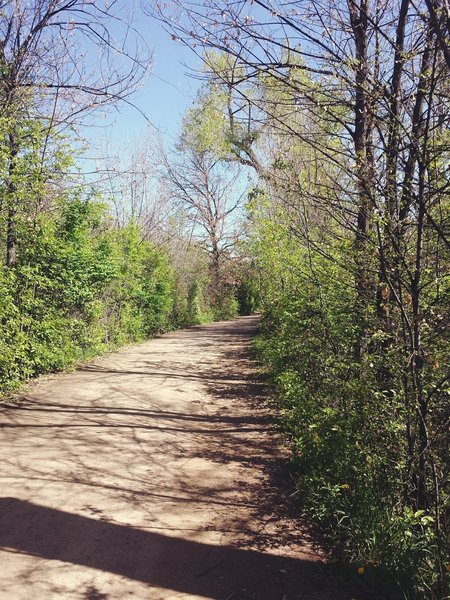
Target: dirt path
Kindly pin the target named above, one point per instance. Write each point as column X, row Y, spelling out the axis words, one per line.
column 149, row 475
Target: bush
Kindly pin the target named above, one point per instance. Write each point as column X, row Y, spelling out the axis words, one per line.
column 346, row 433
column 79, row 288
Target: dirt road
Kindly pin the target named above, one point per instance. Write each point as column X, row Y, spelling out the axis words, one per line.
column 151, row 474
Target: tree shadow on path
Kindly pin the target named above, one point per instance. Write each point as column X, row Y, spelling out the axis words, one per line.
column 180, row 449
column 206, row 570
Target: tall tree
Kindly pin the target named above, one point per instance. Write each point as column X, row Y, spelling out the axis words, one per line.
column 210, row 193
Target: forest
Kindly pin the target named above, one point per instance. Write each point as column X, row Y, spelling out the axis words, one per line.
column 309, row 183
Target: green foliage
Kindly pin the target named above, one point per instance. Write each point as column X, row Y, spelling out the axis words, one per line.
column 79, row 288
column 248, row 297
column 225, row 306
column 191, row 304
column 348, row 457
column 345, row 427
column 197, row 309
column 218, row 122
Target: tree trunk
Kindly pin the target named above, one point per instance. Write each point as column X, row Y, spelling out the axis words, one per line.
column 11, row 234
column 364, row 167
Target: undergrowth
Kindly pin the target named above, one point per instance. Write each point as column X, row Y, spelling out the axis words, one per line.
column 348, row 452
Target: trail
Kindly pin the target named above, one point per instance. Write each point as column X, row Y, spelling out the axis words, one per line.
column 151, row 474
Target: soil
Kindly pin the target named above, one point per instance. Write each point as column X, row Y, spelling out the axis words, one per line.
column 154, row 473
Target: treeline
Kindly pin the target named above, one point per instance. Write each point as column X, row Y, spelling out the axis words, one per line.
column 80, row 287
column 75, row 282
column 78, row 284
column 341, row 112
column 92, row 261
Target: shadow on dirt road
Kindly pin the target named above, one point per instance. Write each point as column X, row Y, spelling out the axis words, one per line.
column 153, row 474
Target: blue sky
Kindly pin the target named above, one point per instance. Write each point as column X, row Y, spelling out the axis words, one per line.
column 166, row 93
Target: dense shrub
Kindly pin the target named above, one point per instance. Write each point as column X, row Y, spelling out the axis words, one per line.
column 78, row 288
column 346, row 420
column 348, row 446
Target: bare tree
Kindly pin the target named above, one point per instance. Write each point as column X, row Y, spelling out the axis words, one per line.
column 66, row 57
column 209, row 192
column 130, row 179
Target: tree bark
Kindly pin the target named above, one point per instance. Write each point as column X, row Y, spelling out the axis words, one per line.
column 11, row 232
